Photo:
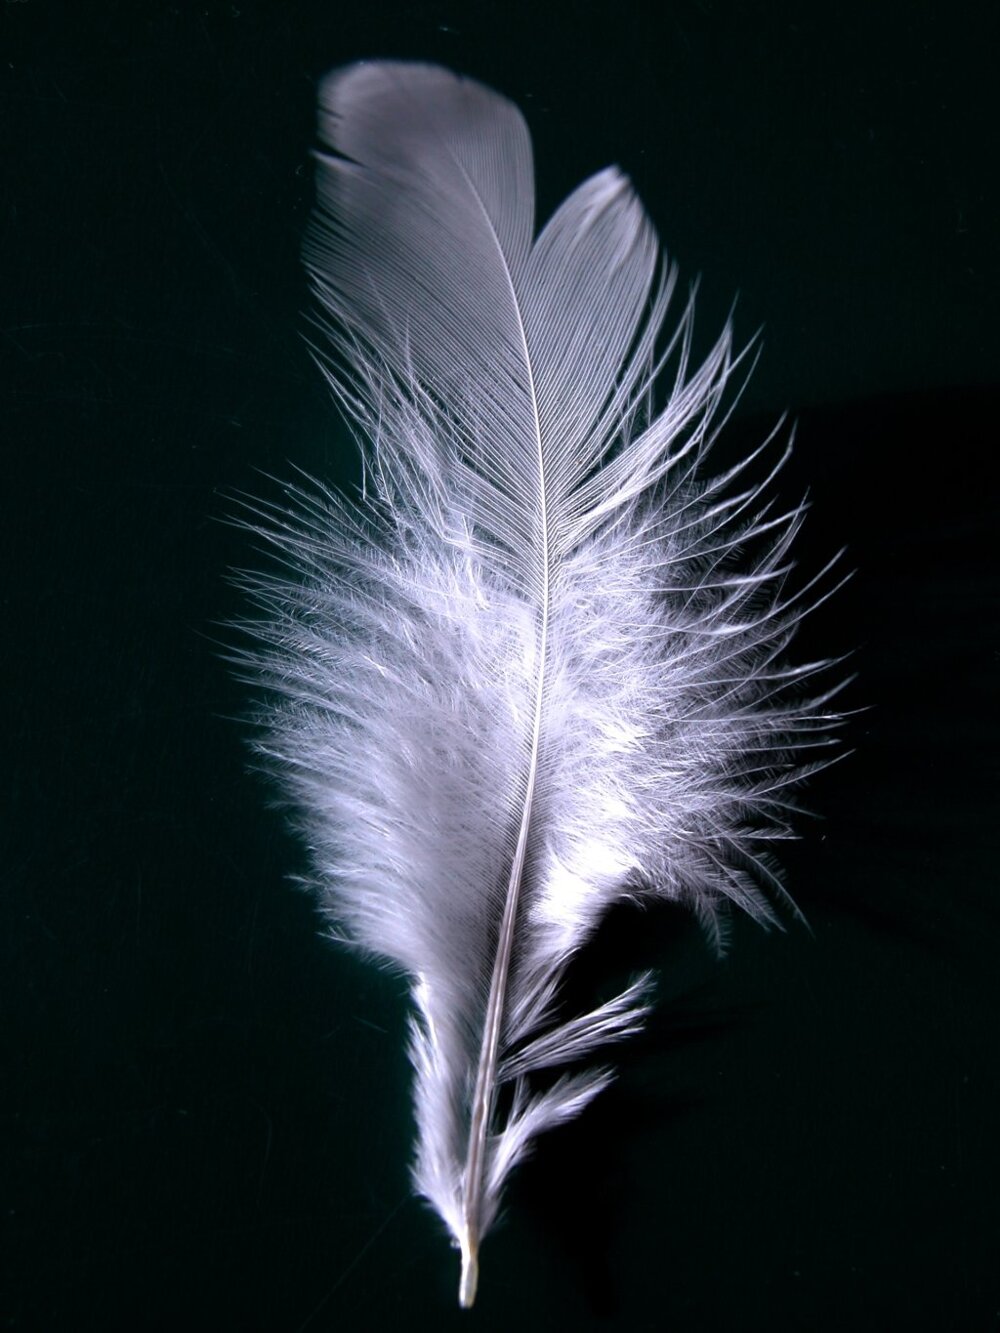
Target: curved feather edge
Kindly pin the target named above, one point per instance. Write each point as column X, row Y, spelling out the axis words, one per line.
column 525, row 677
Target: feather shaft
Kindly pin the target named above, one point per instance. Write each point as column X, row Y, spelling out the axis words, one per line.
column 486, row 1074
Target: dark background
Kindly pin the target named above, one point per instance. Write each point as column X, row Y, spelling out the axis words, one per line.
column 205, row 1106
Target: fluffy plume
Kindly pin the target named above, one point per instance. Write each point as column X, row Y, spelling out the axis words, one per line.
column 531, row 672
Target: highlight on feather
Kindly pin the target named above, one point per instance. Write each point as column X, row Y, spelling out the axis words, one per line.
column 525, row 675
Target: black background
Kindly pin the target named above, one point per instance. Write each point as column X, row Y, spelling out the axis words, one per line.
column 205, row 1105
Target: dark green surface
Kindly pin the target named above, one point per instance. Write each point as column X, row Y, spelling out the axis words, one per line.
column 206, row 1114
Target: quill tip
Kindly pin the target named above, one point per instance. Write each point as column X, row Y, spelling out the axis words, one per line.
column 470, row 1273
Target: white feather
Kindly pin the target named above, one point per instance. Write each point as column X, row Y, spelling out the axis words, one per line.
column 524, row 677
